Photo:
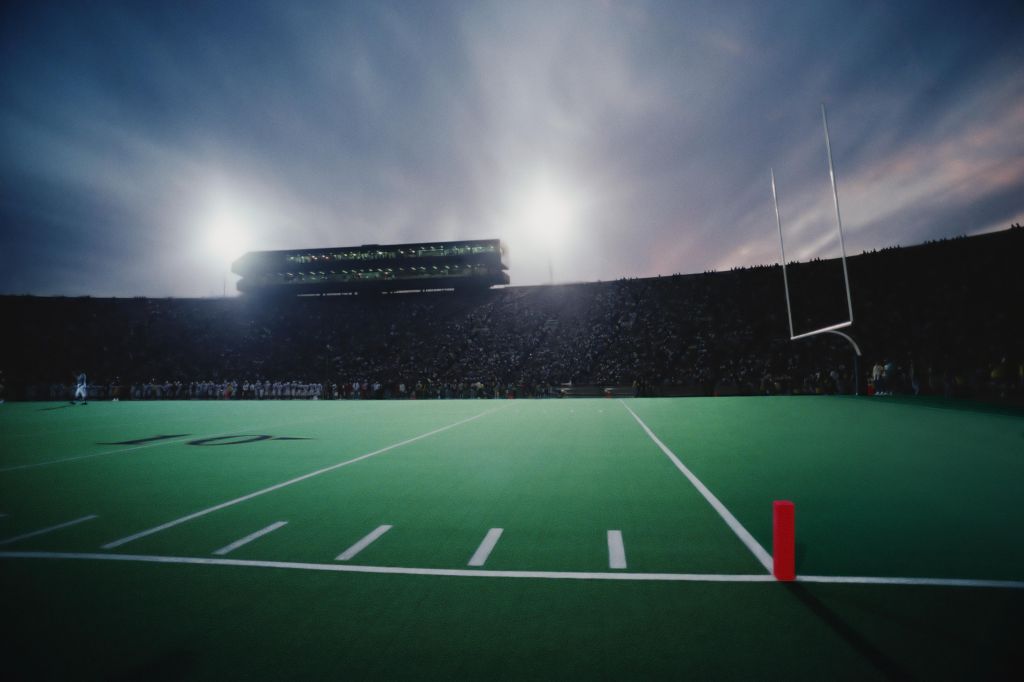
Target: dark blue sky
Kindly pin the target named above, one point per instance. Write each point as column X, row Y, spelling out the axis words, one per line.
column 144, row 143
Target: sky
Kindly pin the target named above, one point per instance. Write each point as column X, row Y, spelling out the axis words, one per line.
column 143, row 145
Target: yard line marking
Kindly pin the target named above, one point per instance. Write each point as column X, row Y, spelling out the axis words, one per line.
column 616, row 550
column 745, row 537
column 75, row 458
column 479, row 557
column 249, row 538
column 547, row 575
column 278, row 486
column 363, row 544
column 41, row 531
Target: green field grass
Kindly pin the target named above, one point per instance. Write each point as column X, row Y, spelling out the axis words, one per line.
column 927, row 492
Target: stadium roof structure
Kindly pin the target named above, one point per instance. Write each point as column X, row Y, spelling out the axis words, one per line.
column 469, row 264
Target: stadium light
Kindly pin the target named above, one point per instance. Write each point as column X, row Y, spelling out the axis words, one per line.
column 548, row 208
column 550, row 213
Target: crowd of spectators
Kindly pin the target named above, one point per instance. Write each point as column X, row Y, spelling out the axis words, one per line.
column 940, row 318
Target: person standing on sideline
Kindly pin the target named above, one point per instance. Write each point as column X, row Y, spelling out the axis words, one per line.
column 876, row 378
column 82, row 389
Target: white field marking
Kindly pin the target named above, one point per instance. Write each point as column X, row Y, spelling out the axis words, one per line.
column 278, row 486
column 144, row 446
column 484, row 550
column 745, row 537
column 363, row 544
column 542, row 575
column 249, row 538
column 616, row 550
column 41, row 531
column 398, row 570
column 936, row 582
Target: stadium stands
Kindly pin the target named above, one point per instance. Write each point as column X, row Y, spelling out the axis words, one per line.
column 944, row 315
column 472, row 264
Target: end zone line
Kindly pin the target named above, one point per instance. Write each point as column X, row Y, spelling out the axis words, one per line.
column 546, row 575
column 745, row 537
column 278, row 486
column 41, row 531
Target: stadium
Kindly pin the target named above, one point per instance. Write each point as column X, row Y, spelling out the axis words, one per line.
column 367, row 433
column 491, row 471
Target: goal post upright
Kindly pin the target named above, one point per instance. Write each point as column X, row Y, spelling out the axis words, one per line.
column 834, row 328
column 782, row 247
column 839, row 219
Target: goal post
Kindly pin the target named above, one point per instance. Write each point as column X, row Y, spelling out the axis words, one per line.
column 848, row 322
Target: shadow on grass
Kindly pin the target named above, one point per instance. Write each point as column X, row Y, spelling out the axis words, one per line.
column 176, row 664
column 881, row 661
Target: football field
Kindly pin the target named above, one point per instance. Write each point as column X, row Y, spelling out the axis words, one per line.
column 578, row 538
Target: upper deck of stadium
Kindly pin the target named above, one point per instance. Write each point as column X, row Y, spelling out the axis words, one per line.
column 479, row 263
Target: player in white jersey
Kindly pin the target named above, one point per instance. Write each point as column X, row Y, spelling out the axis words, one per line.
column 81, row 389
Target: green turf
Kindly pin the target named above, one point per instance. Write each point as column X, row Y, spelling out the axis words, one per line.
column 882, row 489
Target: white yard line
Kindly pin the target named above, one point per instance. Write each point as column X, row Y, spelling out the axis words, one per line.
column 745, row 537
column 278, row 486
column 363, row 544
column 616, row 550
column 479, row 557
column 249, row 538
column 544, row 575
column 42, row 531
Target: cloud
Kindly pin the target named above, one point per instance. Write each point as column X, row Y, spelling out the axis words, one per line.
column 125, row 131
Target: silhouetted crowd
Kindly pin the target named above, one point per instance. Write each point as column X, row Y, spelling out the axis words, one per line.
column 941, row 318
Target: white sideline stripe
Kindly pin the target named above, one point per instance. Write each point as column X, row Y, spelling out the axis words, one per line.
column 41, row 531
column 935, row 582
column 249, row 538
column 745, row 537
column 479, row 557
column 616, row 550
column 544, row 575
column 278, row 486
column 363, row 544
column 399, row 570
column 33, row 465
